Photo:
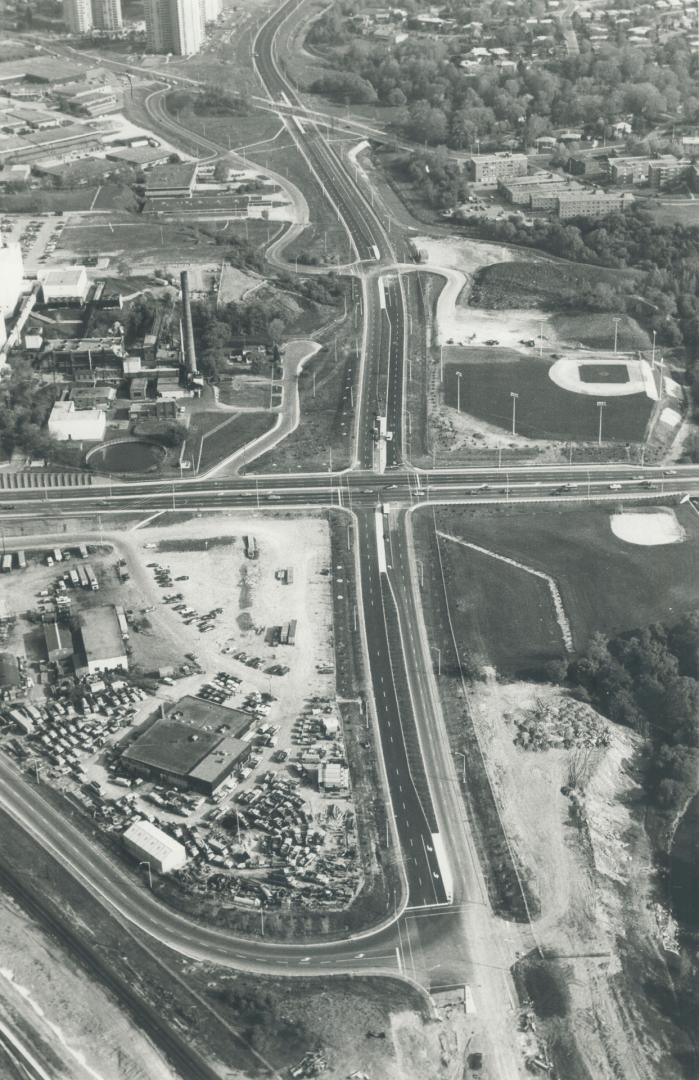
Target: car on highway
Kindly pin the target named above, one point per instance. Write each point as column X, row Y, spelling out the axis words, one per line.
column 481, row 487
column 615, row 487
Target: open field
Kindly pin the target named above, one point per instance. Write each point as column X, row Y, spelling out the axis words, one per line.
column 540, row 282
column 228, row 129
column 506, row 617
column 544, row 410
column 140, row 243
column 684, row 212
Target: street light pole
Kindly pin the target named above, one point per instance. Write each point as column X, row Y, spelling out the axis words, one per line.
column 616, row 332
column 600, row 406
column 458, row 391
column 514, row 397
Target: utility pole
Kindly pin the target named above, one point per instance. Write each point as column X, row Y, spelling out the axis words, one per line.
column 652, row 358
column 514, row 395
column 600, row 406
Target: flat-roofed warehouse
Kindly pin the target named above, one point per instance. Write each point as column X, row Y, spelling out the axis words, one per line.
column 150, row 844
column 103, row 646
column 196, row 746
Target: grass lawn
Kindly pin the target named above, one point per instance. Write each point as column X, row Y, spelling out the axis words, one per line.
column 605, row 584
column 544, row 410
column 542, row 282
column 679, row 213
column 225, row 433
column 134, row 239
column 596, row 331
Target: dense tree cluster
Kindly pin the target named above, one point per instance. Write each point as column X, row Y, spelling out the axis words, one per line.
column 211, row 101
column 215, row 328
column 649, row 681
column 443, row 104
column 24, row 407
column 439, row 180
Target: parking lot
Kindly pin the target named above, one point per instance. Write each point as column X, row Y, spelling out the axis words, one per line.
column 37, row 234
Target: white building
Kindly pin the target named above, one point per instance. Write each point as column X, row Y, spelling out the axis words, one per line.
column 150, row 844
column 333, row 777
column 211, row 9
column 174, row 26
column 107, row 14
column 11, row 275
column 77, row 16
column 80, row 425
column 70, row 285
column 103, row 644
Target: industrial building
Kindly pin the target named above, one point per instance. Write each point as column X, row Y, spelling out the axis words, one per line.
column 174, row 26
column 103, row 647
column 150, row 844
column 67, row 423
column 77, row 16
column 59, row 641
column 196, row 746
column 489, row 168
column 9, row 672
column 139, row 156
column 65, row 286
column 11, row 276
column 333, row 777
column 171, row 181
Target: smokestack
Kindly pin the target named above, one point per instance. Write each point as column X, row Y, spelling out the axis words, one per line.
column 190, row 357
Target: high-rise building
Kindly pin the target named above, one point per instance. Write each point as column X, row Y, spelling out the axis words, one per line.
column 11, row 274
column 175, row 26
column 107, row 14
column 211, row 9
column 77, row 16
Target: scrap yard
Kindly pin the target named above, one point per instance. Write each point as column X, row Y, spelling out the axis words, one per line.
column 213, row 727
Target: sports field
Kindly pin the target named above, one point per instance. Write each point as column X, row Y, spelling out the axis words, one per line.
column 606, row 584
column 543, row 410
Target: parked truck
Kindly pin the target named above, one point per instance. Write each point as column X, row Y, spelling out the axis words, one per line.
column 92, row 578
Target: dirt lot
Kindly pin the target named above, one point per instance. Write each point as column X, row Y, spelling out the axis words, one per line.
column 63, row 1017
column 588, row 863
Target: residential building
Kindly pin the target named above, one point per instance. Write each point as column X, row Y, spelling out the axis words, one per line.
column 77, row 16
column 174, row 26
column 67, row 423
column 65, row 286
column 11, row 276
column 489, row 168
column 103, row 647
column 663, row 170
column 519, row 189
column 211, row 9
column 628, row 170
column 107, row 14
column 592, row 203
column 151, row 845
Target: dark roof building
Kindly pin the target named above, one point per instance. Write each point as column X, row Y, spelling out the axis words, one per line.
column 196, row 746
column 59, row 641
column 9, row 671
column 175, row 181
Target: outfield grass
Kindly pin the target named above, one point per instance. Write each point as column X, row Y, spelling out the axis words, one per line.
column 606, row 584
column 544, row 410
column 596, row 331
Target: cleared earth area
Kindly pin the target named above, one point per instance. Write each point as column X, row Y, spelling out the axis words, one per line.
column 506, row 616
column 543, row 410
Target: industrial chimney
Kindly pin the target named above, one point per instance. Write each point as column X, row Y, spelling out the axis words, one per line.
column 190, row 356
